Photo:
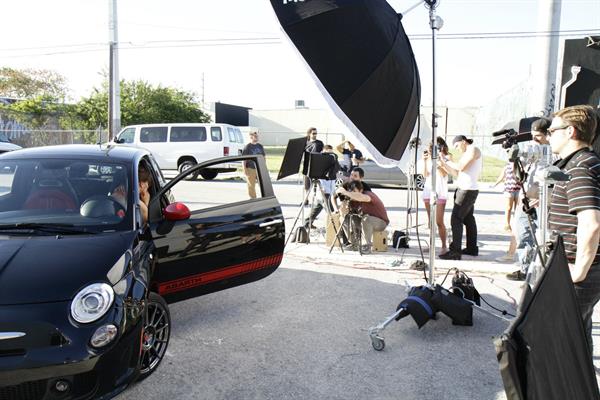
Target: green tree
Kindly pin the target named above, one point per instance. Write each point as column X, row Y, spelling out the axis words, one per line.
column 30, row 83
column 141, row 103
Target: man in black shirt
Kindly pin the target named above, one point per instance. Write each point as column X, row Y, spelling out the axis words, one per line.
column 313, row 145
column 249, row 168
column 575, row 204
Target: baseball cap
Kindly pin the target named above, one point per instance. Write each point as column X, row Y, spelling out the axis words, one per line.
column 460, row 138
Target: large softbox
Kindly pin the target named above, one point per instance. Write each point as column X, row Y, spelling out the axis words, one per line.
column 544, row 352
column 363, row 63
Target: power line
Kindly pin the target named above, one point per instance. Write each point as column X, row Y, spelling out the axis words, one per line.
column 252, row 41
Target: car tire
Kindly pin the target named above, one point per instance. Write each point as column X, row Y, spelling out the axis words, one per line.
column 208, row 175
column 156, row 335
column 184, row 166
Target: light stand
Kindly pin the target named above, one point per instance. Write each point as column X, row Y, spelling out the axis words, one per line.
column 450, row 303
column 435, row 23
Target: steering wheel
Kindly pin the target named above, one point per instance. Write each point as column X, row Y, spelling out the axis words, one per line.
column 102, row 206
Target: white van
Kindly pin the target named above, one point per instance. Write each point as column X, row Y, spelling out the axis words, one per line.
column 180, row 146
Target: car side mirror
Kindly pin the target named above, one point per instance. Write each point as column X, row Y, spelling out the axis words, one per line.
column 119, row 141
column 176, row 212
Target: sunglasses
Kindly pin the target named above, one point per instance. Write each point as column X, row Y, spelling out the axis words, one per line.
column 558, row 128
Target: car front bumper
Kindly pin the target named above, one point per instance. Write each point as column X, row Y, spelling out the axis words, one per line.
column 55, row 353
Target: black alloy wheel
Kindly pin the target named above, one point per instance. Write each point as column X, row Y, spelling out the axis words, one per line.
column 155, row 339
column 419, row 181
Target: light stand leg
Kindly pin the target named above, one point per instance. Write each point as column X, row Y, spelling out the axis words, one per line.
column 300, row 213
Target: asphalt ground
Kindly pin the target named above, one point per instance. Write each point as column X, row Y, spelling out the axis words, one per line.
column 302, row 332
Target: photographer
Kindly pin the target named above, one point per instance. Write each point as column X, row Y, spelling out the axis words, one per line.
column 374, row 217
column 328, row 186
column 522, row 232
column 467, row 171
column 575, row 204
column 313, row 145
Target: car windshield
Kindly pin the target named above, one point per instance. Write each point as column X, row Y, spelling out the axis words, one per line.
column 93, row 195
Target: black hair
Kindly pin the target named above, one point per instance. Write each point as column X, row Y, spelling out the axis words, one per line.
column 541, row 125
column 361, row 172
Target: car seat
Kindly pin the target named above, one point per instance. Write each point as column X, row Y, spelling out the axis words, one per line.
column 51, row 193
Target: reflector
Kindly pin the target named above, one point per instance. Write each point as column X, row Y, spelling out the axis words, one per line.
column 363, row 63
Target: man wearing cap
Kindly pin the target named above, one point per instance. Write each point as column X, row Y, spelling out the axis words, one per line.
column 252, row 148
column 467, row 171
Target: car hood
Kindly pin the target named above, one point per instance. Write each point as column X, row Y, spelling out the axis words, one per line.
column 6, row 146
column 50, row 268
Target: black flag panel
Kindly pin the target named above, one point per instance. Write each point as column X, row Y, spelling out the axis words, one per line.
column 544, row 353
column 363, row 63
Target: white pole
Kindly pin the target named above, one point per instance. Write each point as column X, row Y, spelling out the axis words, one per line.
column 544, row 93
column 114, row 96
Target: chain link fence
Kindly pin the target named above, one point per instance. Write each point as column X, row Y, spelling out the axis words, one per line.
column 33, row 130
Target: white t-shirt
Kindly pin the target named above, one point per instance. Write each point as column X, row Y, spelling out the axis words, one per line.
column 441, row 183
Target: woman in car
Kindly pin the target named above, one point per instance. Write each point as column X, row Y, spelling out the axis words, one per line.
column 145, row 181
column 144, row 188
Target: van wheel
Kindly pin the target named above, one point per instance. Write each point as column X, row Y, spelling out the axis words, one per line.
column 184, row 166
column 208, row 175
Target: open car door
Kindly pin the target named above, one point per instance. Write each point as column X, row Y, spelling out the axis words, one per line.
column 216, row 236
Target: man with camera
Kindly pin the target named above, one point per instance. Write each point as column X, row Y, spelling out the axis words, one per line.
column 328, row 186
column 373, row 217
column 575, row 204
column 522, row 230
column 467, row 171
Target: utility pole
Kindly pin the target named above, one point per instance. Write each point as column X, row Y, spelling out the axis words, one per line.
column 114, row 92
column 544, row 93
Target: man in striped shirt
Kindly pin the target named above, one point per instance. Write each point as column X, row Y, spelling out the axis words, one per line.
column 575, row 204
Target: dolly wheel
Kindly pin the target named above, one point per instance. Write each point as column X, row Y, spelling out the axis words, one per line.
column 378, row 343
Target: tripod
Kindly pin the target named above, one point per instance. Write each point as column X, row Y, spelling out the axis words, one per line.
column 316, row 188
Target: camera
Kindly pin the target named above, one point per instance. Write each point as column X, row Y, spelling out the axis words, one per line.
column 509, row 139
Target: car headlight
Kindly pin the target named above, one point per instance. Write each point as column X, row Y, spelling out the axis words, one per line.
column 92, row 302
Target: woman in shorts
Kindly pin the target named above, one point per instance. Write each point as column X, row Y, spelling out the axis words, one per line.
column 441, row 184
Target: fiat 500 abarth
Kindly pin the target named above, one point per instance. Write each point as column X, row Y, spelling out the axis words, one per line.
column 86, row 275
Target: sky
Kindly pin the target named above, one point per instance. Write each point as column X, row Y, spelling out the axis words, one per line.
column 233, row 51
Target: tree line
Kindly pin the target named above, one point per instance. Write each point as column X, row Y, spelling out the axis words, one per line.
column 42, row 102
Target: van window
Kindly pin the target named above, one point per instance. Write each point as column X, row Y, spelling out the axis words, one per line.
column 154, row 134
column 188, row 134
column 238, row 134
column 127, row 135
column 231, row 134
column 215, row 133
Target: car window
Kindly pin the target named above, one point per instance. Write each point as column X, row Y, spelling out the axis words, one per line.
column 188, row 134
column 218, row 185
column 159, row 174
column 7, row 175
column 94, row 194
column 215, row 134
column 127, row 135
column 154, row 134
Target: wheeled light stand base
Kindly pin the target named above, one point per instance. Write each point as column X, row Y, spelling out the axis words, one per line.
column 377, row 340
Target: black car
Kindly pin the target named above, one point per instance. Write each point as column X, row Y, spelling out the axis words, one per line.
column 85, row 282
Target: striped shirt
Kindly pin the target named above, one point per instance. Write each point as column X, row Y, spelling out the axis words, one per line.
column 510, row 180
column 580, row 192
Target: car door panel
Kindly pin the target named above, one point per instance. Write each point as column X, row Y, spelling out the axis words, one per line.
column 219, row 247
